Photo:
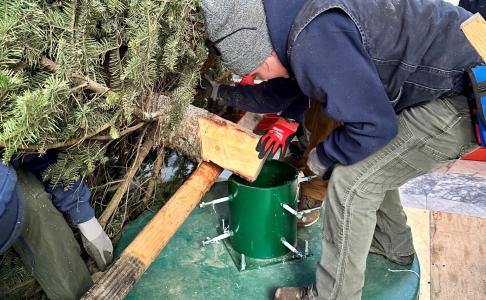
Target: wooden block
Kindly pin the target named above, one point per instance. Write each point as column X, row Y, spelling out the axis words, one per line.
column 475, row 30
column 458, row 245
column 419, row 221
column 231, row 147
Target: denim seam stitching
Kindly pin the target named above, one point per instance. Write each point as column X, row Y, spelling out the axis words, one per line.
column 406, row 151
column 434, row 152
column 409, row 66
column 427, row 87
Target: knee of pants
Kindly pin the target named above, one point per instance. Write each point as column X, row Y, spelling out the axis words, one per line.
column 348, row 196
column 38, row 203
column 337, row 204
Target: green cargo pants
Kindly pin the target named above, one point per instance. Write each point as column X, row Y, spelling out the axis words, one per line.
column 363, row 199
column 47, row 245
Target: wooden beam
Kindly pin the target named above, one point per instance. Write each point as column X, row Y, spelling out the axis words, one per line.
column 139, row 255
column 230, row 147
column 475, row 30
column 458, row 246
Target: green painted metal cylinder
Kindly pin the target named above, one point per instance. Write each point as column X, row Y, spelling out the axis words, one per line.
column 257, row 218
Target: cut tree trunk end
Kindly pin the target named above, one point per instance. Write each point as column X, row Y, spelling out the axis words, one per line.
column 230, row 147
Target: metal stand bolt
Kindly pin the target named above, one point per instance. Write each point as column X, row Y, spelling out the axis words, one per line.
column 224, row 236
column 292, row 248
column 297, row 214
column 243, row 262
column 214, row 202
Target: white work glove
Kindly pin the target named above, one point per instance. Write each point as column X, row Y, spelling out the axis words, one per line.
column 97, row 243
column 315, row 165
column 210, row 88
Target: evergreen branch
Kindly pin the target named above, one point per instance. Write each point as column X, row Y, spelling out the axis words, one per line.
column 142, row 152
column 48, row 64
column 76, row 163
column 159, row 161
column 36, row 147
column 152, row 184
column 111, row 57
column 121, row 134
column 149, row 116
column 90, row 84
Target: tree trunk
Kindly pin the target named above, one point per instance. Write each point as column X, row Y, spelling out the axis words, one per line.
column 185, row 139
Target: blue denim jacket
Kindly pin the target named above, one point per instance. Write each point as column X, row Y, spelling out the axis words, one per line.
column 417, row 46
column 365, row 61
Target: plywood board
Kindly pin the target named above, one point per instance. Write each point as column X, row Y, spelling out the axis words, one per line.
column 475, row 30
column 231, row 147
column 419, row 221
column 458, row 264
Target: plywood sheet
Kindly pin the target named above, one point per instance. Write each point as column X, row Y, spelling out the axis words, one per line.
column 231, row 147
column 419, row 221
column 458, row 263
column 475, row 30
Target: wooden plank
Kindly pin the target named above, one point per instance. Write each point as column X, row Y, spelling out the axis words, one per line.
column 419, row 221
column 139, row 255
column 153, row 238
column 230, row 147
column 475, row 30
column 458, row 264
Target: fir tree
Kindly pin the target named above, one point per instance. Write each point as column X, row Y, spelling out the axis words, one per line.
column 52, row 51
column 77, row 74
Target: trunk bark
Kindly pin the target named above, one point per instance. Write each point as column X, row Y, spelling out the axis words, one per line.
column 185, row 138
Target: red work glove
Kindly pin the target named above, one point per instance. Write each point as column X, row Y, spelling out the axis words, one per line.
column 278, row 137
column 266, row 123
column 247, row 80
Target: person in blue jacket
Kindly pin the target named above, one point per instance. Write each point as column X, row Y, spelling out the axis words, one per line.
column 392, row 72
column 32, row 222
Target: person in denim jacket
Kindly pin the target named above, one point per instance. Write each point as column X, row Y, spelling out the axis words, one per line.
column 392, row 72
